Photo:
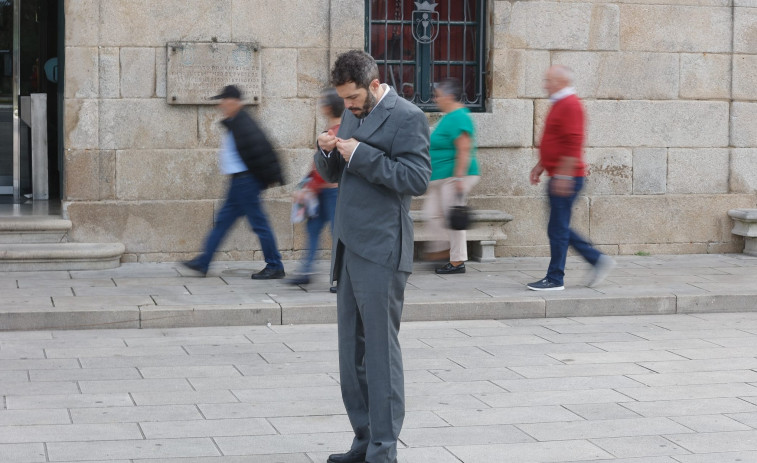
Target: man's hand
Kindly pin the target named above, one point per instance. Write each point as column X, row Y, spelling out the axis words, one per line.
column 327, row 141
column 536, row 173
column 562, row 186
column 346, row 147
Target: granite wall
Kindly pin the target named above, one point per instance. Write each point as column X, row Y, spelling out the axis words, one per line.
column 670, row 88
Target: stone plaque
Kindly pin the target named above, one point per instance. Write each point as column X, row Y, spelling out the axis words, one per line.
column 198, row 70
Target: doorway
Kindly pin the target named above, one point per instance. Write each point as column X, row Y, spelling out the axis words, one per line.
column 30, row 84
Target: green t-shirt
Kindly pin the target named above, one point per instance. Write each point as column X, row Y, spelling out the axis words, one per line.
column 443, row 143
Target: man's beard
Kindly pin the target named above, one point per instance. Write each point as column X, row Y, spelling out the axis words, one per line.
column 370, row 103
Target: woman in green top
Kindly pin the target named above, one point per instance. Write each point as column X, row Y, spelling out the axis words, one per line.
column 454, row 172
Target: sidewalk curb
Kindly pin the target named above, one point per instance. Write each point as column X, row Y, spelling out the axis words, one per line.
column 36, row 318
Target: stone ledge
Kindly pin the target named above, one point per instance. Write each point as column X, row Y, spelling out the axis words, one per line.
column 28, row 229
column 608, row 305
column 745, row 216
column 42, row 318
column 487, row 227
column 529, row 305
column 716, row 303
column 745, row 224
column 179, row 316
column 60, row 256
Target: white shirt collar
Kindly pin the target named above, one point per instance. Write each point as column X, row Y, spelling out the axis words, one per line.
column 560, row 94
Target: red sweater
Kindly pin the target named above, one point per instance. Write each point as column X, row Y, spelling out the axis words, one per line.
column 563, row 135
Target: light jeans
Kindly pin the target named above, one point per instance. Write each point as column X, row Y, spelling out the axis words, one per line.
column 441, row 195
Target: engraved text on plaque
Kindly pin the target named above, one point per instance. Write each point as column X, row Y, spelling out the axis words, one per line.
column 196, row 71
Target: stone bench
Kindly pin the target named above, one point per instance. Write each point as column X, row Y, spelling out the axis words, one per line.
column 745, row 224
column 486, row 228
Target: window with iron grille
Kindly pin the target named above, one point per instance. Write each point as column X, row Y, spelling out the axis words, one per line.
column 418, row 43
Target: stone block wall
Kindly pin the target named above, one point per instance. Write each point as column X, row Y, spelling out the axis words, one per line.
column 669, row 86
column 143, row 172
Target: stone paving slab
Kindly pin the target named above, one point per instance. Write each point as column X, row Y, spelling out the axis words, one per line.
column 672, row 381
column 510, row 390
column 22, row 453
column 130, row 449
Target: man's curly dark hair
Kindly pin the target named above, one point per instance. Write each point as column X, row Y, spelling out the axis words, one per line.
column 354, row 66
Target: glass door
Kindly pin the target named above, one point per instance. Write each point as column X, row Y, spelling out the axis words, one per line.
column 29, row 48
column 8, row 103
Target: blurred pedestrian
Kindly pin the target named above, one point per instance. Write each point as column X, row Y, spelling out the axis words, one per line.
column 332, row 108
column 454, row 172
column 380, row 158
column 248, row 158
column 561, row 156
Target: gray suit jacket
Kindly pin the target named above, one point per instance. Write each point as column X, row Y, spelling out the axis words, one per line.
column 390, row 165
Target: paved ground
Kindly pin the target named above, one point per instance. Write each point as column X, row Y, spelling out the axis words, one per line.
column 636, row 389
column 530, row 377
column 168, row 296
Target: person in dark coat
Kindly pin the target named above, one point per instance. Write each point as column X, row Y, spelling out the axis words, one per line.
column 250, row 161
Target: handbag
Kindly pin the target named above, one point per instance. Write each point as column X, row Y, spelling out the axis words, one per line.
column 304, row 202
column 458, row 217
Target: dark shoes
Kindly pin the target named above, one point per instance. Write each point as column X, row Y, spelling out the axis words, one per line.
column 194, row 265
column 353, row 456
column 299, row 280
column 304, row 279
column 269, row 273
column 449, row 268
column 544, row 285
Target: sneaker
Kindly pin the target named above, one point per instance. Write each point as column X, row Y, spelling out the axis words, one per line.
column 194, row 265
column 544, row 285
column 602, row 268
column 269, row 273
column 449, row 269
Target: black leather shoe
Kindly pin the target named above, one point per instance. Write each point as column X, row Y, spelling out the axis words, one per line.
column 449, row 269
column 333, row 289
column 353, row 456
column 299, row 280
column 269, row 274
column 194, row 265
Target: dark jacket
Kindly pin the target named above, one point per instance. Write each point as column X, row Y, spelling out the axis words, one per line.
column 256, row 151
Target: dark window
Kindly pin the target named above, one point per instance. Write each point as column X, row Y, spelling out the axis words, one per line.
column 418, row 43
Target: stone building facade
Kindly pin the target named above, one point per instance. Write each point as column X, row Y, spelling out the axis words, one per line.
column 670, row 88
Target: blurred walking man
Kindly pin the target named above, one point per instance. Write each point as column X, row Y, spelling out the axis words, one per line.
column 380, row 159
column 561, row 156
column 250, row 161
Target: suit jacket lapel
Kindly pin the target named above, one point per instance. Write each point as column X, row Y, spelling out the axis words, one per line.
column 350, row 123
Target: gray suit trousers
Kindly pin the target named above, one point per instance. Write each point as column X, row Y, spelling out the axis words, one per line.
column 369, row 302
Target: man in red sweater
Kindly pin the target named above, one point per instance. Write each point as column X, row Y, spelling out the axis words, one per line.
column 561, row 156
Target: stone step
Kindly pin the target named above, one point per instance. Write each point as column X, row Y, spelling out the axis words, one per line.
column 23, row 257
column 83, row 312
column 34, row 229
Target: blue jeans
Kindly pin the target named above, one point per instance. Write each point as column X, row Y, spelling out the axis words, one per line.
column 326, row 209
column 243, row 198
column 561, row 236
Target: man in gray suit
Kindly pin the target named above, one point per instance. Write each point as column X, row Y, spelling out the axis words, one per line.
column 380, row 159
